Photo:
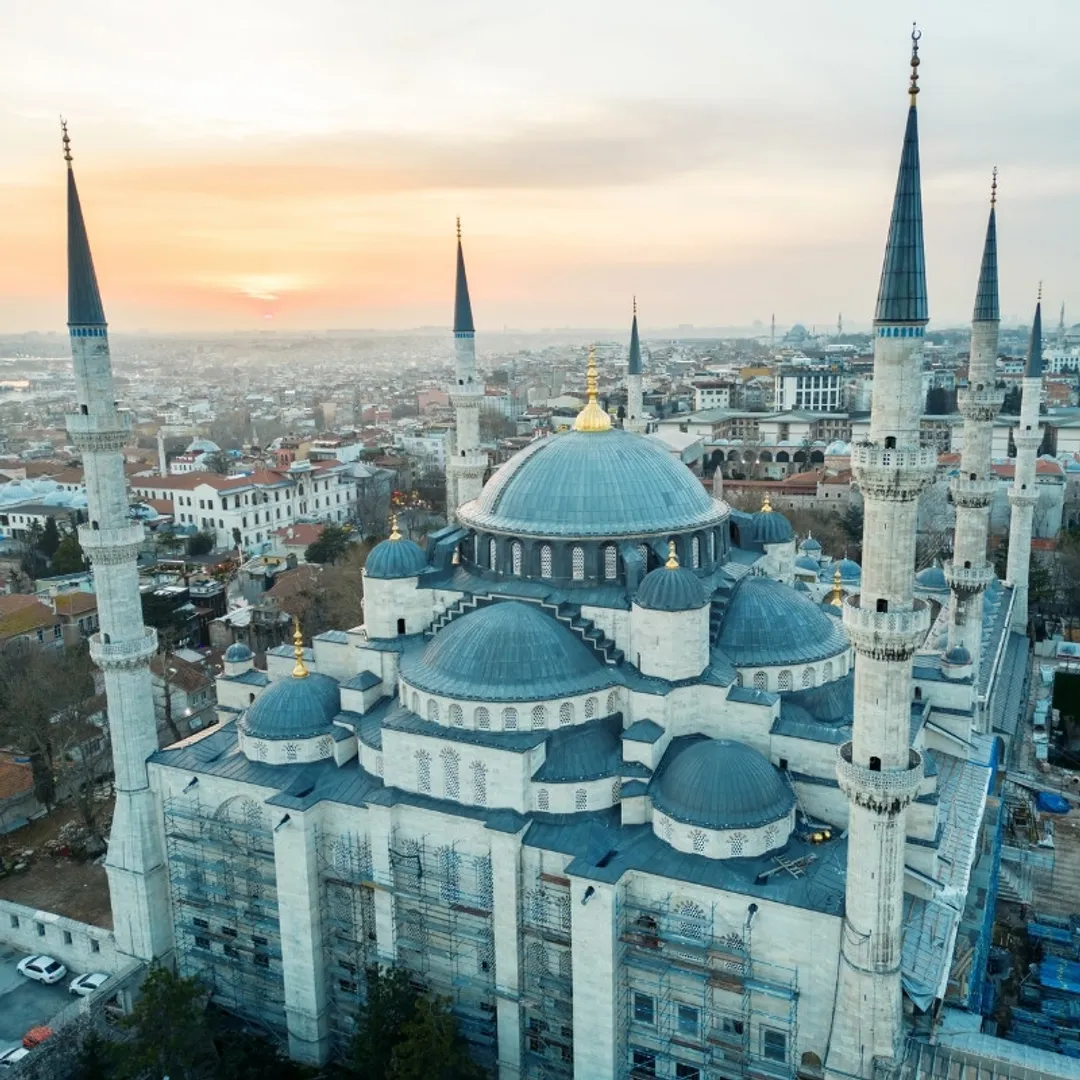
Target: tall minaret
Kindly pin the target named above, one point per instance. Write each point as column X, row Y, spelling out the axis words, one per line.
column 1024, row 493
column 635, row 409
column 138, row 887
column 466, row 462
column 969, row 572
column 878, row 771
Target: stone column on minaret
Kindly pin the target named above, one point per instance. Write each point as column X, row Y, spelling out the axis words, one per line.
column 878, row 771
column 969, row 572
column 635, row 409
column 1024, row 493
column 138, row 886
column 466, row 462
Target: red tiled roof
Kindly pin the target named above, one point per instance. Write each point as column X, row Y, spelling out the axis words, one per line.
column 15, row 778
column 300, row 535
column 20, row 614
column 76, row 603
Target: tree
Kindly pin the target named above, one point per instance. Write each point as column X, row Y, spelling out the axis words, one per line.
column 50, row 538
column 95, row 1060
column 69, row 558
column 216, row 462
column 200, row 544
column 332, row 544
column 431, row 1047
column 380, row 1025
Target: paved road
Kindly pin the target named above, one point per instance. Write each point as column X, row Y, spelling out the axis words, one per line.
column 23, row 1003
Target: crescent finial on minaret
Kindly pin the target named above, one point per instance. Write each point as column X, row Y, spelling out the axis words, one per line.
column 459, row 229
column 913, row 88
column 66, row 139
column 993, row 187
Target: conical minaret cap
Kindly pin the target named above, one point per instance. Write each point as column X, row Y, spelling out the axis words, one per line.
column 463, row 320
column 84, row 298
column 986, row 297
column 633, row 366
column 1034, row 368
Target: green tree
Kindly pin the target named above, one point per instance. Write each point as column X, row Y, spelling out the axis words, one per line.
column 853, row 523
column 95, row 1060
column 431, row 1047
column 200, row 544
column 380, row 1025
column 216, row 462
column 243, row 1055
column 69, row 558
column 334, row 542
column 50, row 538
column 171, row 1035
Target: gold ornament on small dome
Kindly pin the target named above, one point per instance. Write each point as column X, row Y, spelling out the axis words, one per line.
column 672, row 556
column 300, row 671
column 837, row 598
column 766, row 506
column 592, row 417
column 394, row 534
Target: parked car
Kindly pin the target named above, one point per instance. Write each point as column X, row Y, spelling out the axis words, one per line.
column 10, row 1058
column 41, row 968
column 36, row 1036
column 85, row 985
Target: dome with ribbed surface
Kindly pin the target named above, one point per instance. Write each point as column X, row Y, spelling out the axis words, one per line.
column 293, row 708
column 507, row 651
column 767, row 623
column 804, row 562
column 810, row 547
column 237, row 653
column 398, row 558
column 671, row 589
column 592, row 483
column 849, row 570
column 769, row 527
column 719, row 784
column 932, row 578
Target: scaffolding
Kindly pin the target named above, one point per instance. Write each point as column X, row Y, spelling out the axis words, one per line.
column 347, row 907
column 692, row 997
column 547, row 982
column 223, row 882
column 444, row 932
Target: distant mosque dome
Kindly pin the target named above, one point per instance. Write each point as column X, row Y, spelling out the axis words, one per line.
column 294, row 708
column 202, row 446
column 396, row 558
column 810, row 547
column 238, row 653
column 838, row 449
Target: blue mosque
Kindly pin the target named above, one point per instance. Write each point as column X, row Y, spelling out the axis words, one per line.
column 601, row 767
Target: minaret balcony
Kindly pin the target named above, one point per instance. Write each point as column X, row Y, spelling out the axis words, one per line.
column 899, row 473
column 968, row 580
column 131, row 653
column 1027, row 497
column 976, row 404
column 883, row 792
column 1028, row 440
column 467, row 397
column 90, row 433
column 975, row 493
column 112, row 545
column 886, row 635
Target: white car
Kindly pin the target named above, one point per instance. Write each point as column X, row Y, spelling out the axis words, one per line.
column 10, row 1058
column 85, row 985
column 41, row 968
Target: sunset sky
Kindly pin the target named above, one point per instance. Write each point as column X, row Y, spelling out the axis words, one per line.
column 250, row 163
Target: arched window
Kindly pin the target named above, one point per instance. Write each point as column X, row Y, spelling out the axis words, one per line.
column 539, row 717
column 423, row 770
column 538, row 958
column 691, row 919
column 737, row 841
column 612, row 703
column 416, row 703
column 479, row 783
column 783, row 680
column 616, row 790
column 698, row 838
column 545, row 561
column 290, row 752
column 566, row 714
column 493, row 554
column 515, row 557
column 510, row 719
column 482, row 718
column 643, row 551
column 450, row 761
column 433, row 710
column 712, row 547
column 808, row 678
column 590, row 708
column 695, row 552
column 761, row 680
column 577, row 563
column 611, row 562
column 826, row 671
column 581, row 799
column 543, row 802
column 457, row 717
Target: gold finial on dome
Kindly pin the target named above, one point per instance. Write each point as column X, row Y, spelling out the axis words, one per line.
column 592, row 417
column 766, row 506
column 300, row 671
column 913, row 89
column 394, row 534
column 837, row 598
column 672, row 556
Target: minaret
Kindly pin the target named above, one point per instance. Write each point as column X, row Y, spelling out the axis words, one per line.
column 635, row 411
column 466, row 462
column 138, row 887
column 1024, row 493
column 878, row 771
column 969, row 572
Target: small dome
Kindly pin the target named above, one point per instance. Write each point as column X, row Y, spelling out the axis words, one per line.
column 238, row 653
column 293, row 708
column 849, row 570
column 810, row 547
column 958, row 656
column 768, row 623
column 769, row 527
column 933, row 578
column 719, row 784
column 507, row 651
column 804, row 562
column 837, row 449
column 398, row 558
column 670, row 589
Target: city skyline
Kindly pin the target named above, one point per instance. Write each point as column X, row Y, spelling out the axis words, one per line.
column 308, row 174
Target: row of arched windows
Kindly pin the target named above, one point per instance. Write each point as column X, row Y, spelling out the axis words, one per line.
column 511, row 719
column 451, row 762
column 785, row 679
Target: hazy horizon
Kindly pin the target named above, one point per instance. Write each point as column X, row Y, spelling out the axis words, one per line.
column 247, row 166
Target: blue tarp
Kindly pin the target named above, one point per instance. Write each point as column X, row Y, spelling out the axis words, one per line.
column 1051, row 803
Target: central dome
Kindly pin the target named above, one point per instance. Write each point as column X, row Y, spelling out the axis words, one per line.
column 507, row 651
column 592, row 483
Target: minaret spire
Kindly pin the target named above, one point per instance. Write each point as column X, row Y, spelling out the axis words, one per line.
column 84, row 298
column 463, row 320
column 635, row 407
column 986, row 296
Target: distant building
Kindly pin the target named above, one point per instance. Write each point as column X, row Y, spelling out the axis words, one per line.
column 819, row 388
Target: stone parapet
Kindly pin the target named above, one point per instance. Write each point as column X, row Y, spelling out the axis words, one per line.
column 90, row 433
column 975, row 493
column 887, row 793
column 124, row 653
column 893, row 473
column 111, row 546
column 1027, row 440
column 982, row 404
column 1022, row 498
column 462, row 399
column 886, row 635
column 968, row 579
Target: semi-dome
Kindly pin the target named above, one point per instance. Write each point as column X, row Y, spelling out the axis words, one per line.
column 593, row 483
column 719, row 784
column 769, row 527
column 294, row 708
column 396, row 558
column 508, row 651
column 767, row 623
column 237, row 653
column 671, row 588
column 932, row 578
